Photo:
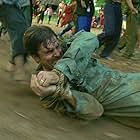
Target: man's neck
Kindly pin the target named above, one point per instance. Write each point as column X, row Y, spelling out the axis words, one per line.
column 48, row 67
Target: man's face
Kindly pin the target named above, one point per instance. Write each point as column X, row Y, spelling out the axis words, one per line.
column 49, row 52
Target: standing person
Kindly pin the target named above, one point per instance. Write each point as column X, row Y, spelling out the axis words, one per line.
column 130, row 36
column 94, row 22
column 40, row 16
column 75, row 83
column 35, row 8
column 49, row 13
column 60, row 11
column 133, row 23
column 69, row 18
column 101, row 22
column 100, row 18
column 16, row 15
column 112, row 27
column 85, row 11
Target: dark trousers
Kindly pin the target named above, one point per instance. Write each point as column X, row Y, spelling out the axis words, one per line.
column 84, row 23
column 112, row 28
column 16, row 23
column 66, row 29
column 49, row 18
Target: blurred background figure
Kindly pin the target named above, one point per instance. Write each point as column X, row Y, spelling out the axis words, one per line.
column 85, row 11
column 94, row 22
column 40, row 16
column 49, row 13
column 61, row 8
column 130, row 38
column 68, row 18
column 16, row 16
column 112, row 27
column 35, row 8
column 100, row 18
column 101, row 21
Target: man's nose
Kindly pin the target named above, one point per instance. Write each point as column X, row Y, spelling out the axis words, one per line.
column 56, row 53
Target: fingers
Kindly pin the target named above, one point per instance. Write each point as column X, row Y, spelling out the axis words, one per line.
column 35, row 86
column 41, row 75
column 83, row 4
column 39, row 89
column 47, row 78
column 42, row 78
column 54, row 78
column 134, row 11
column 50, row 90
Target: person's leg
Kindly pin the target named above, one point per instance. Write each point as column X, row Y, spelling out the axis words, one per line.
column 84, row 23
column 38, row 19
column 125, row 108
column 42, row 18
column 48, row 19
column 109, row 26
column 132, row 35
column 16, row 26
column 113, row 34
column 121, row 100
column 66, row 29
column 89, row 20
column 58, row 21
column 27, row 14
column 123, row 40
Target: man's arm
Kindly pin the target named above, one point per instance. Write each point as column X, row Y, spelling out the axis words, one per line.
column 76, row 59
column 87, row 107
column 131, row 7
column 57, row 95
column 79, row 104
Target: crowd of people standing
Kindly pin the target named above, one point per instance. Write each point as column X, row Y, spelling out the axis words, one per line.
column 80, row 15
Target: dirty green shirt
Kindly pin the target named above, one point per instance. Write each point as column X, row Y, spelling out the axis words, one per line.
column 117, row 92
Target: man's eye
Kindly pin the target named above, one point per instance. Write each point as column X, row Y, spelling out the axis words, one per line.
column 57, row 46
column 49, row 51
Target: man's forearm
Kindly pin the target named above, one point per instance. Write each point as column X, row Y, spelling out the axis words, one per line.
column 85, row 105
column 130, row 4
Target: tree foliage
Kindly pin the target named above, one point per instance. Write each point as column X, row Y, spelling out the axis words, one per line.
column 100, row 2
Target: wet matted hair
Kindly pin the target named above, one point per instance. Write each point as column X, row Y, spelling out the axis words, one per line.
column 35, row 35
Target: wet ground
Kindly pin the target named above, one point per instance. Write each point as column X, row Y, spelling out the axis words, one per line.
column 22, row 117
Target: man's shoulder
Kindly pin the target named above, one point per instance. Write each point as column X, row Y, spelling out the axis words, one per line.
column 83, row 35
column 19, row 3
column 10, row 2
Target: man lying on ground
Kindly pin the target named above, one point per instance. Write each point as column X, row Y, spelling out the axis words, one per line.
column 71, row 81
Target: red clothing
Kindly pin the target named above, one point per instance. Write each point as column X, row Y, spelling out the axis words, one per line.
column 68, row 14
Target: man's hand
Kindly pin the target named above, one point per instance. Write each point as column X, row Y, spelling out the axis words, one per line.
column 131, row 7
column 47, row 78
column 39, row 89
column 134, row 11
column 83, row 4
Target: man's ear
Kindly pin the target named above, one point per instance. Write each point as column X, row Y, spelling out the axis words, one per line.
column 36, row 58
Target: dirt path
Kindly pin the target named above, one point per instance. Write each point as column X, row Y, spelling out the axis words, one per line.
column 22, row 117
